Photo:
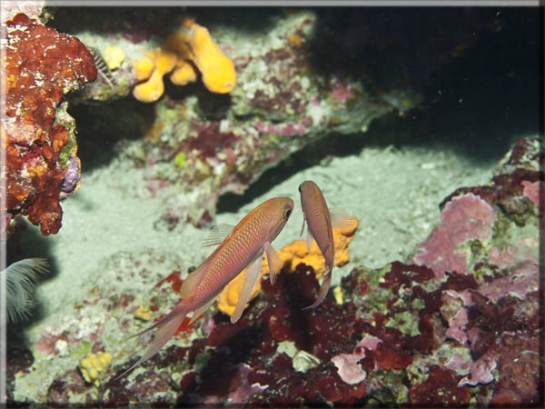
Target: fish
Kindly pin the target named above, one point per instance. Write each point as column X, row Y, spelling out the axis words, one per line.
column 243, row 248
column 102, row 68
column 320, row 221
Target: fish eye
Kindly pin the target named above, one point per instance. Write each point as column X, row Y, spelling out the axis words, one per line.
column 287, row 212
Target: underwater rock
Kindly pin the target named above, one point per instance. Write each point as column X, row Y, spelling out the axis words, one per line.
column 200, row 144
column 42, row 67
column 210, row 137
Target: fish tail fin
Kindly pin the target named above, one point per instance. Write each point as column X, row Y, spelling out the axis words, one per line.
column 326, row 283
column 166, row 328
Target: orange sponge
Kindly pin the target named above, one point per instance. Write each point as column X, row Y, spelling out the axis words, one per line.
column 152, row 67
column 217, row 70
column 190, row 47
column 183, row 74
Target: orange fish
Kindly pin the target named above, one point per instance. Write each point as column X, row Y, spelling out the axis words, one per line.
column 243, row 247
column 319, row 221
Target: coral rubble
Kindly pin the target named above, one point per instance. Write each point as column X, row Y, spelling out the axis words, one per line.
column 41, row 67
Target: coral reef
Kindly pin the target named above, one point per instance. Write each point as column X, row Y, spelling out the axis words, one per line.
column 408, row 334
column 41, row 67
column 32, row 9
column 458, row 323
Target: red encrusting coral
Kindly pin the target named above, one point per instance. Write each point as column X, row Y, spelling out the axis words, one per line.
column 41, row 67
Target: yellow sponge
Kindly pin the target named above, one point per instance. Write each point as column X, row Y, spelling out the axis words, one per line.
column 94, row 365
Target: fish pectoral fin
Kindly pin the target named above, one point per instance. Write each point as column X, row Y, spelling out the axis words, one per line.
column 217, row 235
column 341, row 219
column 250, row 278
column 310, row 239
column 273, row 260
column 202, row 309
column 303, row 226
column 324, row 288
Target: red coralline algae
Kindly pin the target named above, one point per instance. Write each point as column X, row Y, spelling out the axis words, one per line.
column 440, row 389
column 463, row 218
column 41, row 67
column 519, row 363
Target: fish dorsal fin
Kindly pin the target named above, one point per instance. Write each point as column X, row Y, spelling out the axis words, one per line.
column 251, row 275
column 273, row 260
column 341, row 219
column 217, row 235
column 194, row 278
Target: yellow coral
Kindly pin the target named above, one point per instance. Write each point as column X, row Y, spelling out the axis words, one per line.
column 143, row 313
column 191, row 45
column 292, row 255
column 94, row 365
column 114, row 57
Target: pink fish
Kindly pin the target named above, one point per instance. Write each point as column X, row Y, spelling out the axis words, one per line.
column 319, row 221
column 243, row 247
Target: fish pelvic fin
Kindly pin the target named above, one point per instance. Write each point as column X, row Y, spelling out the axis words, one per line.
column 273, row 260
column 251, row 275
column 310, row 239
column 303, row 226
column 324, row 288
column 166, row 328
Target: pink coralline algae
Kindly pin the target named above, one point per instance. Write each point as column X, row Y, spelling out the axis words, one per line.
column 348, row 365
column 463, row 218
column 41, row 68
